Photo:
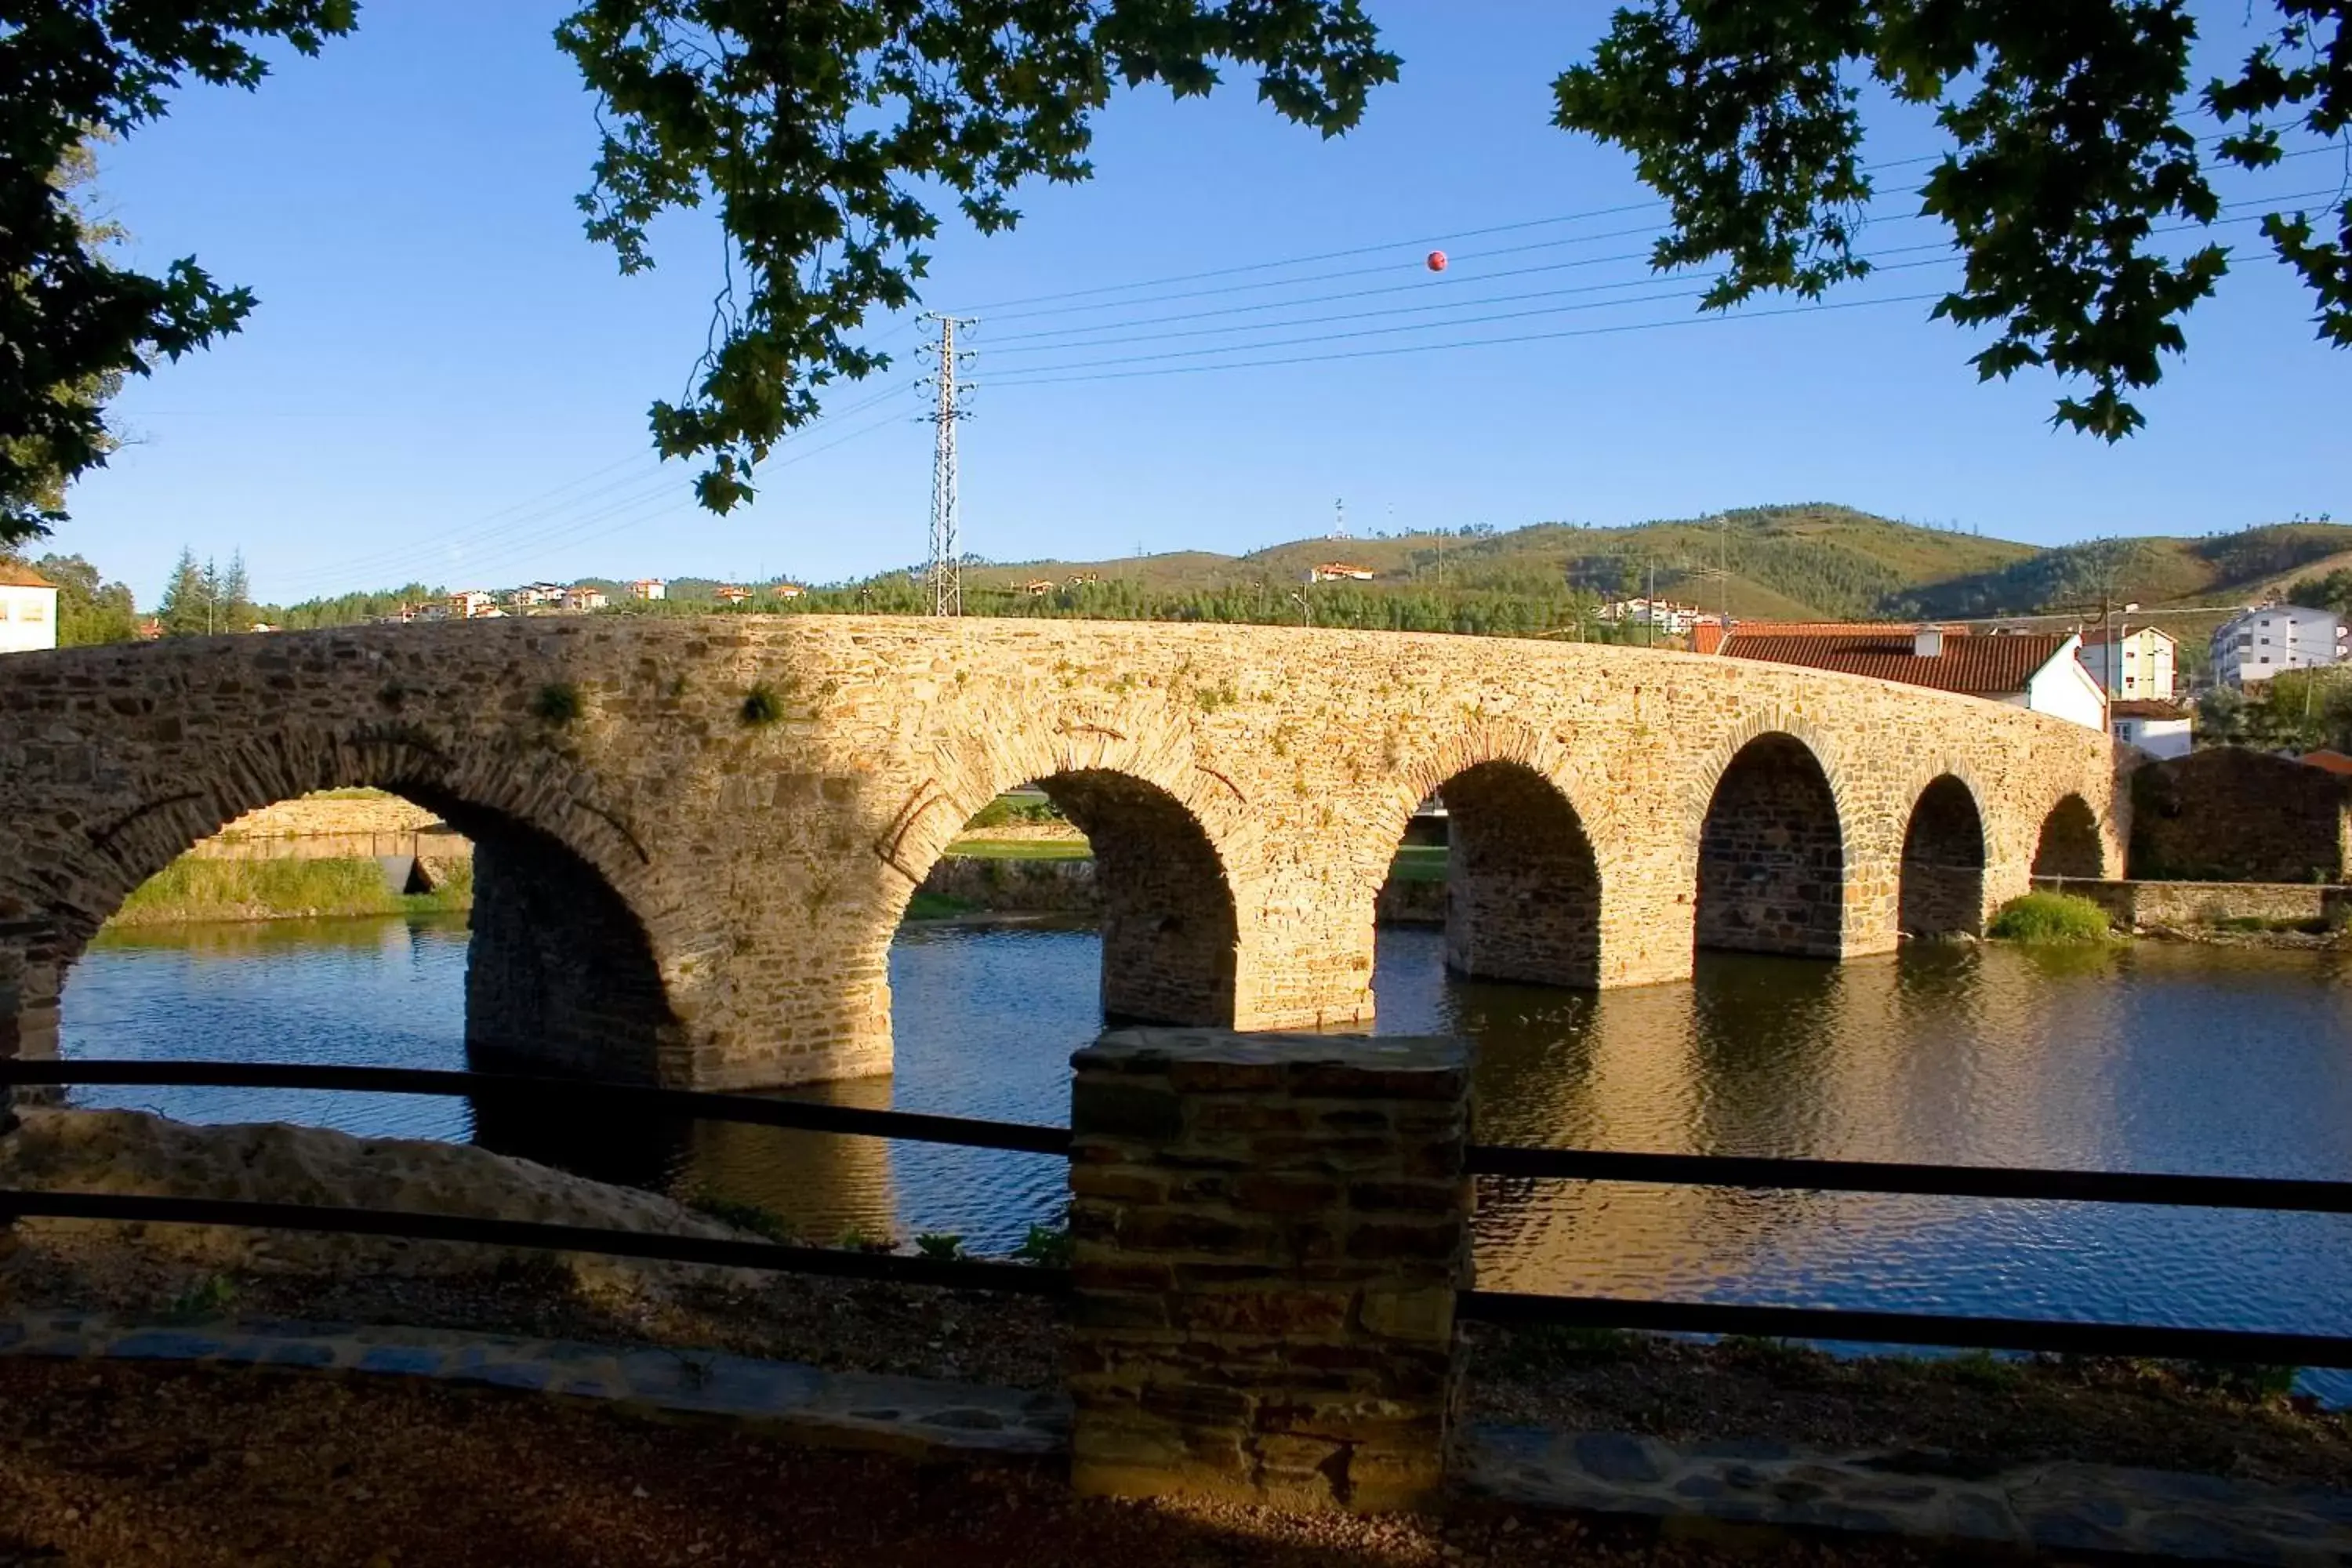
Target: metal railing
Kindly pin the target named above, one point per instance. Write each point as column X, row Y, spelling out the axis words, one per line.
column 1501, row 1161
column 580, row 1094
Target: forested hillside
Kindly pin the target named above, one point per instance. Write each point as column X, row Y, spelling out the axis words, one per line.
column 1808, row 562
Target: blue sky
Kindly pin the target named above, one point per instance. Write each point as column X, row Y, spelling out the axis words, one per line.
column 445, row 380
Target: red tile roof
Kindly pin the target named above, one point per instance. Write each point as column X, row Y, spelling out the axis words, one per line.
column 16, row 574
column 2148, row 708
column 2333, row 761
column 1902, row 629
column 1980, row 666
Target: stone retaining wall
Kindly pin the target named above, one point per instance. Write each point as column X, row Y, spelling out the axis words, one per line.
column 2149, row 903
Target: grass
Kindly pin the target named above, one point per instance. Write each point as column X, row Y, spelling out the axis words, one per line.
column 1419, row 863
column 192, row 889
column 1022, row 848
column 937, row 907
column 2257, row 923
column 2050, row 917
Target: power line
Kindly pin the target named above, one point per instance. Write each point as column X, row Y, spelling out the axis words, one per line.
column 1711, row 320
column 1031, row 375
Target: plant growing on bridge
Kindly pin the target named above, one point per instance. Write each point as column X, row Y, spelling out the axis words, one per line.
column 761, row 705
column 557, row 703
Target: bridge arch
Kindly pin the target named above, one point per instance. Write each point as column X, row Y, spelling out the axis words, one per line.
column 1171, row 927
column 562, row 969
column 1945, row 853
column 1772, row 852
column 2070, row 844
column 1526, row 890
column 1522, row 883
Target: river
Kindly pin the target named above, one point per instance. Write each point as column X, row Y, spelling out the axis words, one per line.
column 2148, row 1058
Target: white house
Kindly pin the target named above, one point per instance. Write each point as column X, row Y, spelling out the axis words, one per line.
column 472, row 604
column 2160, row 729
column 28, row 609
column 583, row 597
column 2038, row 671
column 2134, row 664
column 649, row 588
column 2254, row 645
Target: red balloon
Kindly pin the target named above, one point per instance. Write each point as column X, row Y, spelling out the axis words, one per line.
column 1437, row 261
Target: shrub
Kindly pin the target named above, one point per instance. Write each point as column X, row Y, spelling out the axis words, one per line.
column 556, row 704
column 940, row 1247
column 762, row 706
column 754, row 1217
column 2050, row 917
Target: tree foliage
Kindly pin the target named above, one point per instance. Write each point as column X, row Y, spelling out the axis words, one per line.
column 813, row 126
column 73, row 322
column 201, row 600
column 2074, row 148
column 825, row 133
column 89, row 609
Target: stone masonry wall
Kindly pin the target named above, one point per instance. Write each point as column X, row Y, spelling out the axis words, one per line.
column 765, row 865
column 2180, row 904
column 1943, row 864
column 1522, row 893
column 1771, row 857
column 557, row 976
column 2233, row 815
column 1267, row 1232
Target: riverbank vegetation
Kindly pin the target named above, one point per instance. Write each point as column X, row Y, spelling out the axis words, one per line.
column 2051, row 917
column 194, row 889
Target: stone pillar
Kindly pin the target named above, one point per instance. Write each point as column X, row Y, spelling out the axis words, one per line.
column 557, row 975
column 1268, row 1234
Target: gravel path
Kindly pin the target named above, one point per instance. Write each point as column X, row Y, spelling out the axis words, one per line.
column 193, row 1468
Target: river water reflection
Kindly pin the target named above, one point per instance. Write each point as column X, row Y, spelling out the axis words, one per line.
column 2150, row 1058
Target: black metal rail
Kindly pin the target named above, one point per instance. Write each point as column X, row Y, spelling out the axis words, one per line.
column 1934, row 1181
column 541, row 1091
column 2048, row 1336
column 971, row 1274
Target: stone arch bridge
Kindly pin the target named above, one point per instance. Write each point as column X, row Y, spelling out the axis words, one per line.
column 695, row 838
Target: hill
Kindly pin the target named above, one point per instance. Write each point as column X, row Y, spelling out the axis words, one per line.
column 1808, row 562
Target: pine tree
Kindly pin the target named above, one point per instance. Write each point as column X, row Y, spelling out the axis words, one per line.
column 187, row 599
column 236, row 596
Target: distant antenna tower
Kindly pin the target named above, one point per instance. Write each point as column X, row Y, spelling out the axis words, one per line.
column 1339, row 519
column 946, row 571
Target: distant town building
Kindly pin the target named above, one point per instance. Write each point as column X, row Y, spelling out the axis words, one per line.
column 2037, row 671
column 788, row 589
column 732, row 594
column 1659, row 615
column 151, row 630
column 471, row 603
column 582, row 598
column 531, row 595
column 28, row 609
column 649, row 588
column 2160, row 729
column 2137, row 665
column 1341, row 572
column 1037, row 588
column 263, row 627
column 2254, row 645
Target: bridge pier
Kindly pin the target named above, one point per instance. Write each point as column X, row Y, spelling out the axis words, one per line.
column 558, row 973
